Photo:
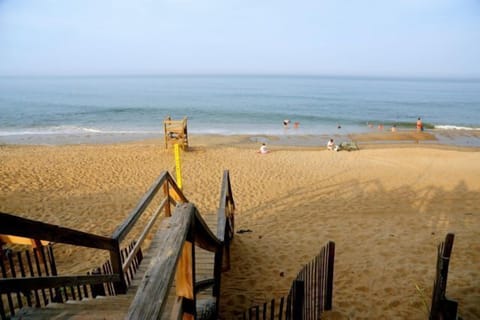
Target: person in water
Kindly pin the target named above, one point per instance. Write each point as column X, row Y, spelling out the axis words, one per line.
column 419, row 124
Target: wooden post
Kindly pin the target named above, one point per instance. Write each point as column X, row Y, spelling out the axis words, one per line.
column 97, row 289
column 441, row 307
column 298, row 297
column 185, row 275
column 226, row 261
column 117, row 268
column 166, row 191
column 217, row 274
column 329, row 287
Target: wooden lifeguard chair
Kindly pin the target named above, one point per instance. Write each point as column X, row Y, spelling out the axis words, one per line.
column 176, row 132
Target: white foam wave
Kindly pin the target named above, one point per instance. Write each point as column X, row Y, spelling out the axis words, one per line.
column 452, row 127
column 69, row 130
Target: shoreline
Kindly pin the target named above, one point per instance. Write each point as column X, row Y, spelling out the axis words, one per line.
column 469, row 139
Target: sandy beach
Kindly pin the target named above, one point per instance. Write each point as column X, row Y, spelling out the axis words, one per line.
column 386, row 207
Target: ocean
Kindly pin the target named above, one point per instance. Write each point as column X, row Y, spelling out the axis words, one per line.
column 117, row 108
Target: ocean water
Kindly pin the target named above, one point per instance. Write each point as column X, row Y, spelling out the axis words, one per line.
column 67, row 109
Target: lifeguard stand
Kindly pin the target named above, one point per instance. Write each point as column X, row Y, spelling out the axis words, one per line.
column 176, row 132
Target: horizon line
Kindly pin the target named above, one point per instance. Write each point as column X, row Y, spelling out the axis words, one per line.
column 232, row 74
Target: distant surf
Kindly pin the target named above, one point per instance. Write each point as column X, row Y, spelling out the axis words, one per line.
column 93, row 107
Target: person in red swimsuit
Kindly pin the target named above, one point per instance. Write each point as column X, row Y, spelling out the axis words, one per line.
column 419, row 124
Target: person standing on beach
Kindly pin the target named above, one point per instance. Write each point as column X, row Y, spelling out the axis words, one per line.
column 419, row 124
column 286, row 123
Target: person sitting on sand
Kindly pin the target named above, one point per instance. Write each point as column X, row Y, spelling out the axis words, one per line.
column 263, row 149
column 331, row 145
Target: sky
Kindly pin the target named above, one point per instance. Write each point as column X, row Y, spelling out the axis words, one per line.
column 426, row 38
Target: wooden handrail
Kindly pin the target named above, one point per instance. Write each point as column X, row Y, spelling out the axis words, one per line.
column 225, row 231
column 135, row 214
column 17, row 226
column 152, row 293
column 142, row 237
column 13, row 225
column 226, row 199
column 36, row 283
column 175, row 187
column 204, row 237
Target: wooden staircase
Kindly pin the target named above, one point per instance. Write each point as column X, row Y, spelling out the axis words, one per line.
column 181, row 268
column 116, row 307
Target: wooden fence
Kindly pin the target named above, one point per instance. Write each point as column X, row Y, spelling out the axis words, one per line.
column 311, row 292
column 40, row 262
column 441, row 307
column 35, row 263
column 107, row 288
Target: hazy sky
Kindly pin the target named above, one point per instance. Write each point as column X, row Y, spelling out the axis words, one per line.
column 333, row 37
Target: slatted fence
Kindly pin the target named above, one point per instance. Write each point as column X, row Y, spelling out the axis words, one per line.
column 40, row 262
column 108, row 289
column 311, row 292
column 441, row 307
column 29, row 263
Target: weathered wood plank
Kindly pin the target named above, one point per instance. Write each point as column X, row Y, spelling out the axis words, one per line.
column 13, row 225
column 152, row 292
column 204, row 237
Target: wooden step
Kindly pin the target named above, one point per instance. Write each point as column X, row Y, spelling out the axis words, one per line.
column 100, row 308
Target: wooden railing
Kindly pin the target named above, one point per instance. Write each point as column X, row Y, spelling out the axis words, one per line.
column 29, row 278
column 163, row 182
column 175, row 256
column 17, row 226
column 175, row 259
